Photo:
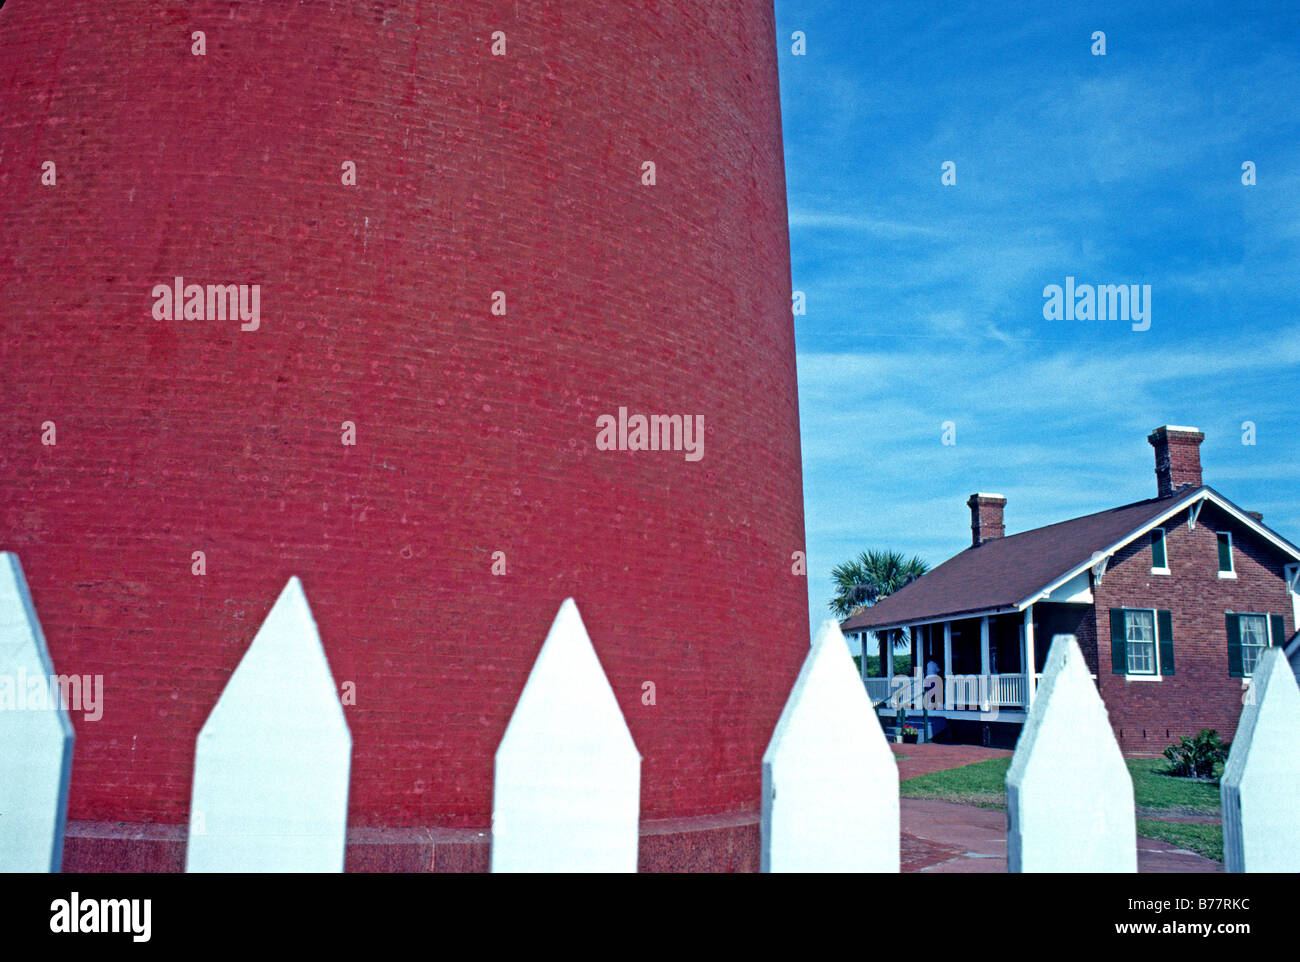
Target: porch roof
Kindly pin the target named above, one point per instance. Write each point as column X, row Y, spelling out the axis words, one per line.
column 1004, row 573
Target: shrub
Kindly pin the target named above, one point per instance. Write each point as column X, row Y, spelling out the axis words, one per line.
column 1197, row 757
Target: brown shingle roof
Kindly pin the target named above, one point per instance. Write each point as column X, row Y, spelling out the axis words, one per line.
column 1004, row 572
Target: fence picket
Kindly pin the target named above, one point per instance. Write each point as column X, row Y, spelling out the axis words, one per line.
column 1260, row 788
column 1069, row 793
column 567, row 794
column 36, row 760
column 830, row 782
column 272, row 761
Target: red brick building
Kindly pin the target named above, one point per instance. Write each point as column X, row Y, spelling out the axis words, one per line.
column 1172, row 601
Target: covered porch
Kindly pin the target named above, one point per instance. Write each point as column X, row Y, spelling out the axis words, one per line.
column 988, row 664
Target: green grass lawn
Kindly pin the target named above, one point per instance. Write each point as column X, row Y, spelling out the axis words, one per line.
column 1156, row 796
column 1204, row 840
column 981, row 783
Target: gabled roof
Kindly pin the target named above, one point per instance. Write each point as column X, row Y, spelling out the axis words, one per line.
column 1011, row 573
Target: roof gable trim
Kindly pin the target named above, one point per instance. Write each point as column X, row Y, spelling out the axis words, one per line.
column 1198, row 497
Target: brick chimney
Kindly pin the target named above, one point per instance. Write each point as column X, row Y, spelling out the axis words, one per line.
column 985, row 517
column 1178, row 458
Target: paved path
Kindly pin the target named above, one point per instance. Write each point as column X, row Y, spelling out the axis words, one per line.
column 952, row 837
column 924, row 759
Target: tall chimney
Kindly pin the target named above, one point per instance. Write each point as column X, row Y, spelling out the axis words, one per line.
column 985, row 517
column 1178, row 458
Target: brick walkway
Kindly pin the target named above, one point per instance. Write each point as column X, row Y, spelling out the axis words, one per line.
column 924, row 759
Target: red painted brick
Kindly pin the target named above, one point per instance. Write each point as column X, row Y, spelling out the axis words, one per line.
column 475, row 433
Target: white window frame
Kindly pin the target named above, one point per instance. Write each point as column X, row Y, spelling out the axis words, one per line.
column 1164, row 544
column 1153, row 675
column 1232, row 561
column 1268, row 639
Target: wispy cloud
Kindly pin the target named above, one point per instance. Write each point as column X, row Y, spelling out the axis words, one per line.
column 809, row 220
column 925, row 301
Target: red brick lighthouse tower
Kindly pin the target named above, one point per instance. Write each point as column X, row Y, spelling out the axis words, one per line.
column 459, row 234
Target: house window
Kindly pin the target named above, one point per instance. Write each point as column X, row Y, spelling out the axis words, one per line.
column 1225, row 555
column 1254, row 639
column 1248, row 636
column 1140, row 634
column 1159, row 560
column 1142, row 643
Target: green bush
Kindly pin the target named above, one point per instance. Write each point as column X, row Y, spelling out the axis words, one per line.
column 1197, row 757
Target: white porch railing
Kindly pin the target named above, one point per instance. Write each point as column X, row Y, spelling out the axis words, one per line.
column 960, row 692
column 878, row 690
column 1008, row 691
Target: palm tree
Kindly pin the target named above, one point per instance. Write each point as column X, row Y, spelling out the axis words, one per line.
column 871, row 576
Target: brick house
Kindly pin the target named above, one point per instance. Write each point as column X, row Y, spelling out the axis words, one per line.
column 1172, row 600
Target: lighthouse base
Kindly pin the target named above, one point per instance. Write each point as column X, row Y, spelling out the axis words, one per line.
column 707, row 843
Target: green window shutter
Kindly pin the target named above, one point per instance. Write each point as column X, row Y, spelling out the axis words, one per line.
column 1225, row 553
column 1234, row 646
column 1118, row 642
column 1158, row 559
column 1279, row 629
column 1165, row 625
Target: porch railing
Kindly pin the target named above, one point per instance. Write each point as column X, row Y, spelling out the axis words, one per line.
column 960, row 692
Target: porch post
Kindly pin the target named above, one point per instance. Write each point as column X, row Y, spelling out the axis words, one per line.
column 913, row 643
column 1029, row 659
column 985, row 681
column 886, row 644
column 947, row 664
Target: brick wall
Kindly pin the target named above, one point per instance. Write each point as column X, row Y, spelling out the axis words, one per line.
column 1201, row 693
column 475, row 432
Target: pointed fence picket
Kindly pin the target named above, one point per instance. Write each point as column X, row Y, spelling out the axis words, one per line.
column 35, row 739
column 1069, row 793
column 1260, row 788
column 567, row 796
column 272, row 761
column 272, row 765
column 830, row 782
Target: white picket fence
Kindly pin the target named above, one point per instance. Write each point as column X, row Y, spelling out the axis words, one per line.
column 271, row 774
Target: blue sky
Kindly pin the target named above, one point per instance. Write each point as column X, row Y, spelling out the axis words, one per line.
column 925, row 302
